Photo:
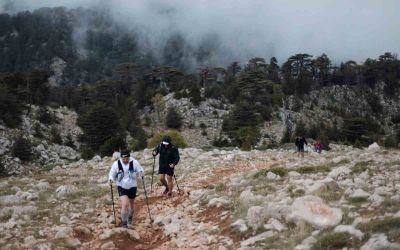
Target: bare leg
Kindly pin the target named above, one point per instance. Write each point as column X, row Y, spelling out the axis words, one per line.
column 170, row 184
column 125, row 205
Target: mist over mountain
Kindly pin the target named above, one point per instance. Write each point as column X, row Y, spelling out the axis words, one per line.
column 238, row 30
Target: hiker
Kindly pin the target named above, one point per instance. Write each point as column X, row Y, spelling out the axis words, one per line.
column 300, row 141
column 169, row 157
column 124, row 172
column 318, row 146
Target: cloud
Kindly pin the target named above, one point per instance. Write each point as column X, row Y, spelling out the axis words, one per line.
column 342, row 29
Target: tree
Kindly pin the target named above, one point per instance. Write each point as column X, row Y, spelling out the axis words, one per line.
column 22, row 148
column 297, row 73
column 173, row 119
column 322, row 67
column 158, row 104
column 99, row 123
column 273, row 70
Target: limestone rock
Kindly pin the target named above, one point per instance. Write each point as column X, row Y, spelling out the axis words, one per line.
column 313, row 210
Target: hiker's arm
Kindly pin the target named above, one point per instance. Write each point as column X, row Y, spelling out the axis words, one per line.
column 113, row 172
column 139, row 168
column 156, row 151
column 176, row 156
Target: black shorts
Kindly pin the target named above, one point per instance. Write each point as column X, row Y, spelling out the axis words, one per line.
column 131, row 193
column 300, row 148
column 166, row 170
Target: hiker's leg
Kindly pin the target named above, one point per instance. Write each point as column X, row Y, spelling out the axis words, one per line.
column 162, row 180
column 131, row 211
column 170, row 183
column 124, row 209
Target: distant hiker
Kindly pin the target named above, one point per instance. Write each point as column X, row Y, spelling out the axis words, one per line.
column 318, row 146
column 124, row 172
column 169, row 157
column 300, row 141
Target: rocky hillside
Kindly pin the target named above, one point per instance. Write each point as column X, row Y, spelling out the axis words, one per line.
column 49, row 142
column 344, row 198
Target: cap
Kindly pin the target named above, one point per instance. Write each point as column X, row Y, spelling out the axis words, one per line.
column 125, row 153
column 166, row 140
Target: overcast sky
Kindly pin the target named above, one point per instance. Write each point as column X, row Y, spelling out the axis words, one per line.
column 343, row 29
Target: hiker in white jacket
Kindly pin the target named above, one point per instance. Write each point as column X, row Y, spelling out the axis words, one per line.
column 124, row 172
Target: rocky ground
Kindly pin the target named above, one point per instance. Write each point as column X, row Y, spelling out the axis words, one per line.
column 346, row 198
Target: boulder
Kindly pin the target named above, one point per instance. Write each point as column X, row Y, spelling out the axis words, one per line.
column 313, row 210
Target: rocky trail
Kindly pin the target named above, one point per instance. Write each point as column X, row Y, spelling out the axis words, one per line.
column 230, row 199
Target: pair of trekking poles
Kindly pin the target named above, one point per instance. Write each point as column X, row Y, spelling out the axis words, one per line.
column 145, row 192
column 152, row 174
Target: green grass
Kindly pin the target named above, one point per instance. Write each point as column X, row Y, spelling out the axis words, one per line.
column 360, row 166
column 313, row 169
column 334, row 240
column 390, row 226
column 281, row 171
column 358, row 200
column 220, row 187
column 330, row 194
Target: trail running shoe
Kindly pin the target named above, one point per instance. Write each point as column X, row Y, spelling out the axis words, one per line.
column 165, row 192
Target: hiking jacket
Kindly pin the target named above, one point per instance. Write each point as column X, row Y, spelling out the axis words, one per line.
column 129, row 179
column 300, row 142
column 169, row 154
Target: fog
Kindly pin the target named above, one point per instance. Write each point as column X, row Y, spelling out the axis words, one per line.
column 241, row 29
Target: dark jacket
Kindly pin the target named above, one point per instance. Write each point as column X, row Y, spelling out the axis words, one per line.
column 300, row 141
column 169, row 154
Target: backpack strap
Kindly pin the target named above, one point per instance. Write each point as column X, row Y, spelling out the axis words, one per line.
column 131, row 166
column 120, row 169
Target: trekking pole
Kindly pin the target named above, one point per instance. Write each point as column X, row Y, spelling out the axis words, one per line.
column 147, row 201
column 179, row 190
column 112, row 198
column 152, row 174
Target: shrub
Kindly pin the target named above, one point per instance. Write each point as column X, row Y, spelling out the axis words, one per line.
column 173, row 119
column 360, row 166
column 111, row 144
column 313, row 169
column 86, row 153
column 176, row 137
column 45, row 116
column 332, row 241
column 22, row 149
column 3, row 171
column 55, row 136
column 139, row 138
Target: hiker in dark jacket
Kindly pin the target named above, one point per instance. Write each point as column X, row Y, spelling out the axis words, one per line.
column 169, row 157
column 300, row 141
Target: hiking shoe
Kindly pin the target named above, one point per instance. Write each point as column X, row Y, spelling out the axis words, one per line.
column 169, row 194
column 165, row 192
column 124, row 225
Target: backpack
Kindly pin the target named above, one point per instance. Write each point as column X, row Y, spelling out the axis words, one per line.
column 120, row 173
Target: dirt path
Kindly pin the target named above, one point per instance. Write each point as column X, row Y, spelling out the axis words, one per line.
column 194, row 220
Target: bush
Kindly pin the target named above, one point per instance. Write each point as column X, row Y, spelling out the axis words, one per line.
column 46, row 117
column 390, row 142
column 86, row 153
column 22, row 149
column 139, row 136
column 111, row 145
column 173, row 119
column 176, row 137
column 55, row 136
column 3, row 171
column 220, row 142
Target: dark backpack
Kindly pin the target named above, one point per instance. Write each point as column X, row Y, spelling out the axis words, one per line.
column 121, row 170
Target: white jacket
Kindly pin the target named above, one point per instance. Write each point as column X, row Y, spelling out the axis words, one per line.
column 126, row 182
